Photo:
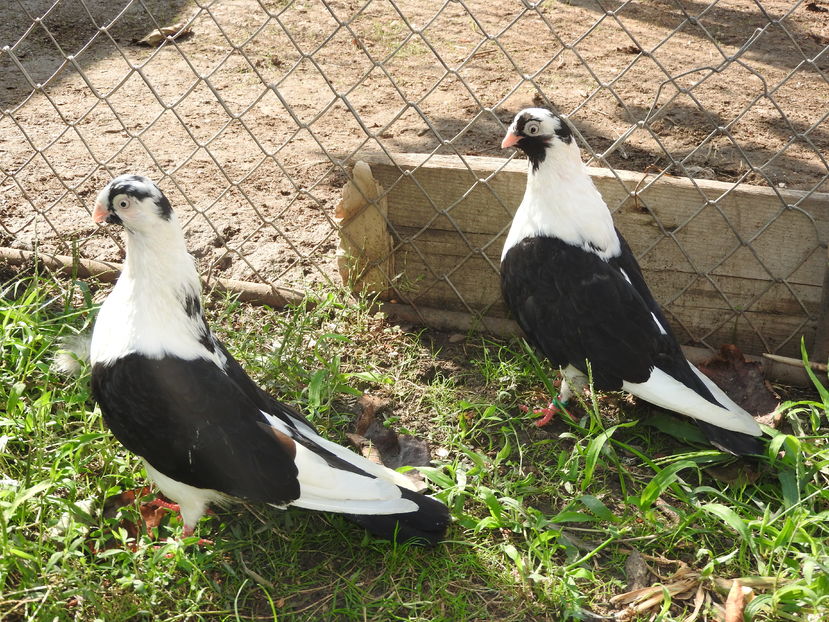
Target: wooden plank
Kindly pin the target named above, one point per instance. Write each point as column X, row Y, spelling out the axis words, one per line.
column 820, row 347
column 450, row 243
column 450, row 320
column 440, row 281
column 364, row 256
column 745, row 238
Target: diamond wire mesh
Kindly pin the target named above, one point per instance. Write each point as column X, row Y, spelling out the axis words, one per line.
column 247, row 121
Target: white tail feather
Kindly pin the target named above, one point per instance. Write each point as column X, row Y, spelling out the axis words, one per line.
column 718, row 393
column 323, row 487
column 663, row 390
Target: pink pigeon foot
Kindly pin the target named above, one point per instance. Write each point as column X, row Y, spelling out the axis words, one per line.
column 158, row 502
column 187, row 530
column 553, row 408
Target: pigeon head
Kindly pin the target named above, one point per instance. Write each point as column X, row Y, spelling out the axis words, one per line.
column 134, row 202
column 537, row 131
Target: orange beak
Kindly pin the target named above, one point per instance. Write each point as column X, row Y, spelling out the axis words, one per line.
column 510, row 140
column 100, row 213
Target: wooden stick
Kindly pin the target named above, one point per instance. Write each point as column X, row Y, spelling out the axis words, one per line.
column 63, row 264
column 787, row 360
column 788, row 371
column 255, row 293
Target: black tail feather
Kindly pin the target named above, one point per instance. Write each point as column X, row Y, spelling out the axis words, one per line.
column 425, row 526
column 732, row 442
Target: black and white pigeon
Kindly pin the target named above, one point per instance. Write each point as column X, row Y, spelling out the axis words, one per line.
column 575, row 288
column 171, row 392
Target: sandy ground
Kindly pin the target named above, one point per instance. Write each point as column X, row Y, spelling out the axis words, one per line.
column 239, row 121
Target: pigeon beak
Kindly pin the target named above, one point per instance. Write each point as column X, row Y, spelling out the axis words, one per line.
column 510, row 140
column 100, row 213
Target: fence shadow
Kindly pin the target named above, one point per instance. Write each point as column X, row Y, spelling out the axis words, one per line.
column 69, row 29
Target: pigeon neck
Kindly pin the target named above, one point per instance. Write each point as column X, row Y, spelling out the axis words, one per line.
column 561, row 202
column 561, row 165
column 155, row 308
column 159, row 259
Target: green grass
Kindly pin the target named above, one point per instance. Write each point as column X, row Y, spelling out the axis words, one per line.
column 545, row 519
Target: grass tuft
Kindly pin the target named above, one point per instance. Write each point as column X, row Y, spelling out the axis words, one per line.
column 544, row 519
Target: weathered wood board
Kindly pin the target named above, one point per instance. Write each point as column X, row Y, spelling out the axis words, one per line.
column 730, row 264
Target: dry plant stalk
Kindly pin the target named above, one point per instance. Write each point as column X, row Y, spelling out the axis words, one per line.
column 685, row 584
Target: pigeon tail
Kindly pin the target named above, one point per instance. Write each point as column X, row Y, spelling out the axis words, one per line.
column 733, row 442
column 425, row 526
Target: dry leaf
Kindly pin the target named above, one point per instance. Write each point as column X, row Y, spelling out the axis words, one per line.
column 152, row 513
column 366, row 448
column 394, row 450
column 755, row 583
column 669, row 513
column 157, row 36
column 734, row 473
column 735, row 604
column 772, row 419
column 370, row 406
column 741, row 380
column 699, row 601
column 637, row 571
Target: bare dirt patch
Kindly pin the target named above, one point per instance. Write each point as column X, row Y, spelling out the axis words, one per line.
column 239, row 121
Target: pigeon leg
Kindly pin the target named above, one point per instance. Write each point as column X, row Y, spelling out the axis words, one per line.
column 569, row 377
column 158, row 502
column 553, row 408
column 187, row 530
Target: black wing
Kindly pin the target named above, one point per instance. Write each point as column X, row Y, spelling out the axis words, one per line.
column 193, row 423
column 574, row 306
column 285, row 413
column 669, row 356
column 256, row 394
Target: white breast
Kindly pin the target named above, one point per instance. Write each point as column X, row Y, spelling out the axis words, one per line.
column 561, row 201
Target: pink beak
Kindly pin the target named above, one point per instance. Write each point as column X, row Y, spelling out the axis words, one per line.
column 510, row 140
column 99, row 214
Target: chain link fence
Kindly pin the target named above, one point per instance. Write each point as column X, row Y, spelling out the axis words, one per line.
column 248, row 112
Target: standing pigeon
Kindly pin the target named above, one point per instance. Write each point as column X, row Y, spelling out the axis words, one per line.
column 578, row 293
column 171, row 393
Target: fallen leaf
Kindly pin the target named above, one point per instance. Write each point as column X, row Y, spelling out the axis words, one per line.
column 629, row 49
column 365, row 447
column 815, row 7
column 735, row 604
column 741, row 380
column 152, row 514
column 699, row 601
column 734, row 473
column 394, row 450
column 116, row 502
column 370, row 406
column 723, row 586
column 179, row 30
column 385, row 439
column 670, row 514
column 773, row 419
column 637, row 572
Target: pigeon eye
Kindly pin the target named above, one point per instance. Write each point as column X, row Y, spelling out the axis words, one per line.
column 123, row 203
column 532, row 128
